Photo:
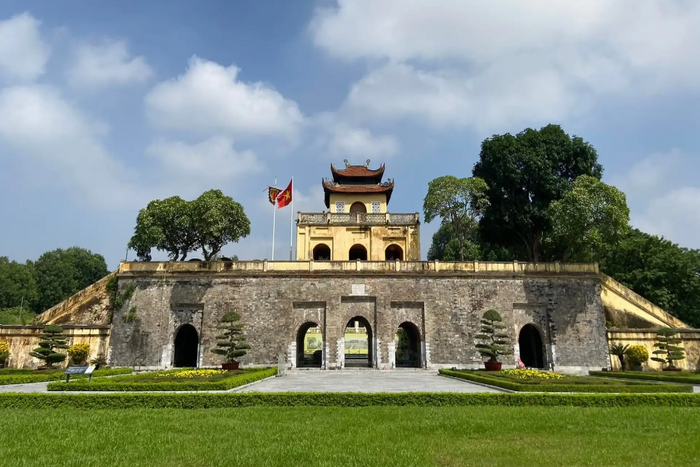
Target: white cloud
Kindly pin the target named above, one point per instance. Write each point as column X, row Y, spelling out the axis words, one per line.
column 23, row 54
column 213, row 160
column 57, row 142
column 489, row 63
column 106, row 64
column 209, row 98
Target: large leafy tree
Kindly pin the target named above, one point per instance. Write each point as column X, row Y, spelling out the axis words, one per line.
column 217, row 220
column 179, row 227
column 459, row 203
column 525, row 173
column 62, row 273
column 17, row 284
column 591, row 218
column 660, row 271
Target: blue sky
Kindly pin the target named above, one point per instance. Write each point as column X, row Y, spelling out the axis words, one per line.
column 106, row 106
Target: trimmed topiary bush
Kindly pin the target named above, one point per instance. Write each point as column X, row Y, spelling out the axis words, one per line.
column 78, row 353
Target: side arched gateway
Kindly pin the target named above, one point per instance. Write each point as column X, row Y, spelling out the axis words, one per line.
column 309, row 346
column 531, row 348
column 186, row 346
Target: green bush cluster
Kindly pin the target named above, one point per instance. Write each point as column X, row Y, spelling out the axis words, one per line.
column 41, row 377
column 513, row 386
column 676, row 377
column 338, row 399
column 221, row 385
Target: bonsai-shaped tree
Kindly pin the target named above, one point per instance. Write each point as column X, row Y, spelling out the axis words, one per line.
column 52, row 338
column 231, row 343
column 494, row 342
column 619, row 351
column 4, row 353
column 637, row 354
column 667, row 349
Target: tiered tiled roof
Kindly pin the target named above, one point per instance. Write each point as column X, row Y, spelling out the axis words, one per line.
column 357, row 179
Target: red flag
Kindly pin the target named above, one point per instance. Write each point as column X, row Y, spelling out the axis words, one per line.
column 272, row 193
column 285, row 197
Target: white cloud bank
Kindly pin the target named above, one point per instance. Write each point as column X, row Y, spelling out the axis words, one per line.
column 106, row 64
column 23, row 53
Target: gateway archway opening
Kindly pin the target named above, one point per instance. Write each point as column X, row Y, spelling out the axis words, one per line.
column 186, row 346
column 358, row 343
column 530, row 343
column 358, row 252
column 309, row 346
column 408, row 346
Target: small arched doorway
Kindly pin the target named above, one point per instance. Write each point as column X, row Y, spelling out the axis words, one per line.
column 530, row 343
column 408, row 346
column 358, row 208
column 309, row 346
column 358, row 343
column 322, row 252
column 393, row 252
column 358, row 252
column 186, row 346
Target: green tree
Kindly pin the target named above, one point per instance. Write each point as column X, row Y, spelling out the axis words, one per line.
column 62, row 273
column 231, row 343
column 179, row 227
column 589, row 219
column 165, row 225
column 459, row 203
column 52, row 339
column 494, row 342
column 667, row 348
column 525, row 173
column 17, row 284
column 660, row 271
column 218, row 220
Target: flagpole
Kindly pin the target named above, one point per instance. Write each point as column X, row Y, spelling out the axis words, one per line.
column 274, row 215
column 291, row 223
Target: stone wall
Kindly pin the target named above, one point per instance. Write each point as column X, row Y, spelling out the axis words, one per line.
column 445, row 307
column 646, row 338
column 24, row 339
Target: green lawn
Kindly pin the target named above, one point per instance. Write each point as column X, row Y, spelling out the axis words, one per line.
column 381, row 436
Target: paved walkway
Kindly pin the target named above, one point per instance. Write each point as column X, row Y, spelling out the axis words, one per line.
column 364, row 381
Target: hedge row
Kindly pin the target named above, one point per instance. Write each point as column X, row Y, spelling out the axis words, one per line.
column 221, row 385
column 513, row 386
column 21, row 378
column 670, row 378
column 319, row 399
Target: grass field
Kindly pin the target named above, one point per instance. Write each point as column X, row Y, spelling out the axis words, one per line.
column 386, row 436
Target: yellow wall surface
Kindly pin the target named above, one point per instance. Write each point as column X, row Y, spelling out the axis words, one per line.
column 350, row 198
column 374, row 238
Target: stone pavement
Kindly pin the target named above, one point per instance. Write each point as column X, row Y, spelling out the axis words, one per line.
column 364, row 381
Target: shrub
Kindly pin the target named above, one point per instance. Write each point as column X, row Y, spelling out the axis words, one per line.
column 52, row 338
column 494, row 342
column 637, row 354
column 667, row 349
column 78, row 353
column 231, row 342
column 619, row 351
column 4, row 352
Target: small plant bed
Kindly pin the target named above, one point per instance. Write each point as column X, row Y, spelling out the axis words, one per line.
column 172, row 380
column 26, row 375
column 545, row 381
column 670, row 377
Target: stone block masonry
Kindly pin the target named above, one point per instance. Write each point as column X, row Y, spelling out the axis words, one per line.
column 276, row 304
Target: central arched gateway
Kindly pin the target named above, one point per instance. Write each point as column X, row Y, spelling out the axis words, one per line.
column 186, row 346
column 408, row 346
column 358, row 343
column 530, row 343
column 310, row 346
